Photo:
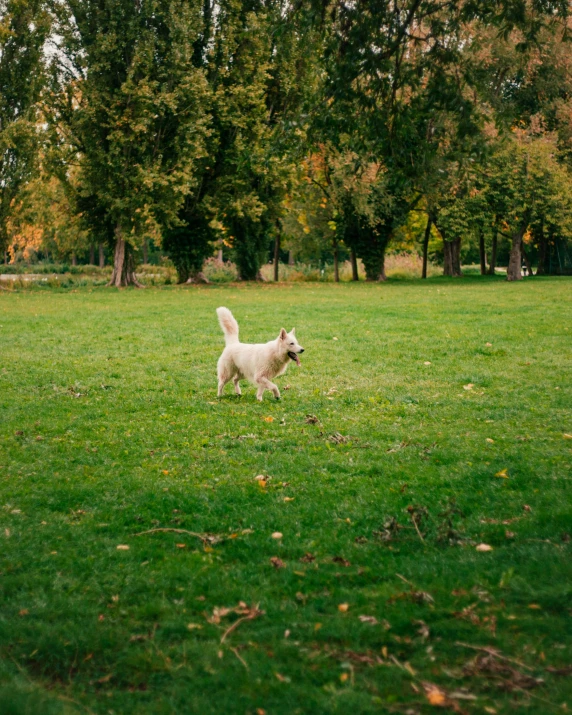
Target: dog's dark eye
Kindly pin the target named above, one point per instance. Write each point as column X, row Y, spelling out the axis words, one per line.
column 291, row 343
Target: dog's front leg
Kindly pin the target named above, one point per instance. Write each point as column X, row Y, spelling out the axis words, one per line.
column 265, row 384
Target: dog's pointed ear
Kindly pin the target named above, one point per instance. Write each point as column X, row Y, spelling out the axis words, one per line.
column 283, row 334
column 293, row 331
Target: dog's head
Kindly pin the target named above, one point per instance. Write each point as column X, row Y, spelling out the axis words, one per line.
column 290, row 345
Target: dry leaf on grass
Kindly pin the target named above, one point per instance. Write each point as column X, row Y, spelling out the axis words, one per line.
column 340, row 560
column 122, row 547
column 338, row 438
column 502, row 474
column 277, row 535
column 312, row 420
column 439, row 698
column 343, row 607
column 469, row 386
column 277, row 563
column 308, row 558
column 484, row 547
column 372, row 620
column 268, row 419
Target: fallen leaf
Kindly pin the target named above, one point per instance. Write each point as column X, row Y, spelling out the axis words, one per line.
column 193, row 626
column 282, row 678
column 372, row 620
column 308, row 558
column 23, row 612
column 261, row 478
column 180, row 546
column 489, row 345
column 101, row 617
column 567, row 436
column 526, row 507
column 312, row 420
column 334, row 338
column 317, row 626
column 268, row 419
column 534, row 606
column 343, row 607
column 509, row 534
column 469, row 386
column 484, row 547
column 287, row 633
column 341, row 560
column 435, row 695
column 106, row 678
column 165, row 471
column 289, row 498
column 344, row 677
column 122, row 547
column 7, row 532
column 277, row 563
column 490, row 441
column 490, row 710
column 427, row 362
column 502, row 474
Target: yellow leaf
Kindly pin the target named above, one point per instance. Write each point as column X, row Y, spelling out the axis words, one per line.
column 502, row 474
column 288, row 498
column 122, row 547
column 268, row 419
column 567, row 436
column 490, row 441
column 436, row 697
column 317, row 626
column 343, row 607
column 344, row 677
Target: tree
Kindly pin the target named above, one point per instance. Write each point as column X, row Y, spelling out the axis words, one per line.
column 529, row 190
column 132, row 111
column 24, row 26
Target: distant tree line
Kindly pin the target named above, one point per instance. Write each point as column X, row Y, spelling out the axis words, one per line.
column 322, row 127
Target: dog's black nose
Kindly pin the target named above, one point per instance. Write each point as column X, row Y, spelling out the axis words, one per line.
column 302, row 350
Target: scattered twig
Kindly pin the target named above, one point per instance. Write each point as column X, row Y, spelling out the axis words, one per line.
column 205, row 538
column 241, row 659
column 417, row 528
column 405, row 580
column 254, row 613
column 495, row 653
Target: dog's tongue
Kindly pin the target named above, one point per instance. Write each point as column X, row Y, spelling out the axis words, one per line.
column 297, row 359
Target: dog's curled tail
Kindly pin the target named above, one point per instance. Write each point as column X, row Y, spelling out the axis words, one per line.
column 228, row 324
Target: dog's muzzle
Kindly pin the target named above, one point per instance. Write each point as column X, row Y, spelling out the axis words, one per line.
column 294, row 356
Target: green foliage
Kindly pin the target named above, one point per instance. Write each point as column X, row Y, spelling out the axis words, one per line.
column 133, row 106
column 24, row 26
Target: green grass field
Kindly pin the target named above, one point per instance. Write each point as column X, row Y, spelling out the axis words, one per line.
column 375, row 599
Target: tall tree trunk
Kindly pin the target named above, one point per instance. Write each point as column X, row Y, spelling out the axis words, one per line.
column 123, row 263
column 482, row 253
column 145, row 251
column 493, row 261
column 514, row 272
column 277, row 253
column 353, row 258
column 197, row 277
column 219, row 255
column 5, row 258
column 101, row 256
column 336, row 262
column 426, row 245
column 525, row 257
column 452, row 258
column 542, row 250
column 74, row 259
column 92, row 254
column 290, row 258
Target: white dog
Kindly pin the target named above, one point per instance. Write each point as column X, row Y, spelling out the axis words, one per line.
column 259, row 363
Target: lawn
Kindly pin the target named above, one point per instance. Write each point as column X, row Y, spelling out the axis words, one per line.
column 426, row 420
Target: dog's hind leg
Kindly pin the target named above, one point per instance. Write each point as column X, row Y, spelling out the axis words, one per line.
column 237, row 389
column 221, row 383
column 265, row 384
